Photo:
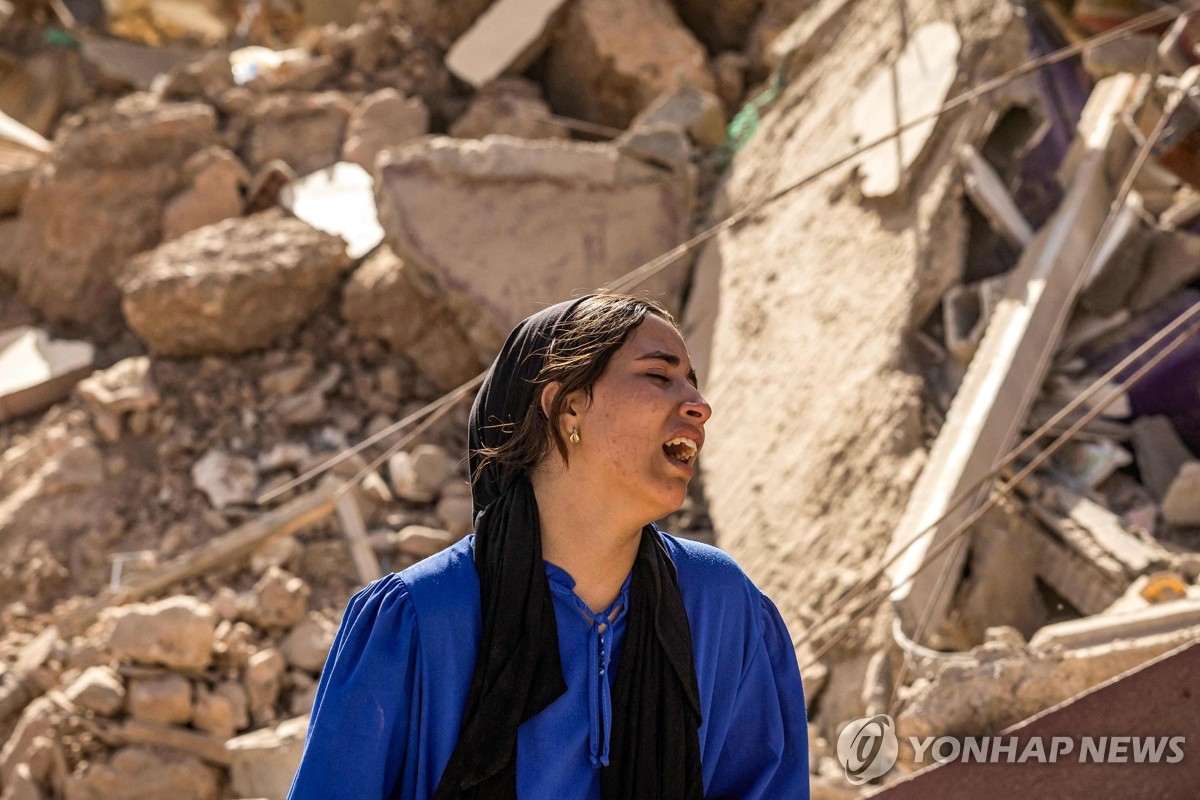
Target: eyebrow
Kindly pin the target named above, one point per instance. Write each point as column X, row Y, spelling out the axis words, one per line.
column 670, row 358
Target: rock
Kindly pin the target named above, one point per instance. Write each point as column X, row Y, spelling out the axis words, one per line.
column 214, row 713
column 305, row 408
column 15, row 177
column 114, row 170
column 143, row 773
column 125, row 388
column 37, row 371
column 418, row 476
column 303, row 130
column 506, row 38
column 176, row 632
column 235, row 694
column 234, row 640
column 386, row 299
column 729, row 70
column 226, row 480
column 420, row 542
column 303, row 693
column 1181, row 503
column 508, row 106
column 214, row 192
column 265, row 761
column 547, row 218
column 690, row 111
column 610, row 59
column 307, row 645
column 166, row 700
column 339, row 200
column 721, row 25
column 456, row 514
column 381, row 120
column 263, row 681
column 281, row 600
column 99, row 690
column 230, row 287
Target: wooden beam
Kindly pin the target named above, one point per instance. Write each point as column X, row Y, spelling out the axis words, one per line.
column 1007, row 371
column 236, row 545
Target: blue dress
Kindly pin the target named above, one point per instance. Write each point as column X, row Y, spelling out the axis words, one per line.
column 387, row 711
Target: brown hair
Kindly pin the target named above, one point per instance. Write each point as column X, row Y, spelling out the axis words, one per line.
column 586, row 341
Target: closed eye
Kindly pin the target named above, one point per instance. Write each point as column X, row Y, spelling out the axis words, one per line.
column 656, row 377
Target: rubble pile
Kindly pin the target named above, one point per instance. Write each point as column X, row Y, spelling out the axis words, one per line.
column 236, row 242
column 232, row 247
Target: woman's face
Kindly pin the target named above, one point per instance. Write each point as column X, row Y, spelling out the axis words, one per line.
column 642, row 430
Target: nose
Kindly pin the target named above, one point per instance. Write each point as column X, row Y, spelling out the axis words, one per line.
column 696, row 408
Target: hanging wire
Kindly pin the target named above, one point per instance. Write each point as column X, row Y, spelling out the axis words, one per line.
column 656, row 265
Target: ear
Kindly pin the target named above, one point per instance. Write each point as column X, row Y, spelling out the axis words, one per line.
column 575, row 403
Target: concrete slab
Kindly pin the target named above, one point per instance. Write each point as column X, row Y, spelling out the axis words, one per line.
column 36, row 371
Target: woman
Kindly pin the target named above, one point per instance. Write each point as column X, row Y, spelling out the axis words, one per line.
column 568, row 649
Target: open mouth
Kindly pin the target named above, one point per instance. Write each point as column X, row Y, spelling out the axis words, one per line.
column 681, row 449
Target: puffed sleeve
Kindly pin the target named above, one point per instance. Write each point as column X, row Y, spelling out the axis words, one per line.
column 361, row 730
column 765, row 755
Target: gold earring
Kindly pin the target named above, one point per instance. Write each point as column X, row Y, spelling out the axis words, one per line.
column 574, row 435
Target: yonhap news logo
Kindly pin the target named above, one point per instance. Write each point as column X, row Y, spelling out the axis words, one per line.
column 867, row 748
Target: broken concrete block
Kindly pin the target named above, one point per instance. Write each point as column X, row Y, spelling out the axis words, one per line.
column 307, row 644
column 916, row 85
column 339, row 200
column 264, row 681
column 966, row 311
column 225, row 479
column 1101, row 629
column 536, row 221
column 1108, row 531
column 418, row 476
column 123, row 388
column 505, row 38
column 989, row 194
column 456, row 514
column 230, row 287
column 1181, row 503
column 303, row 130
column 17, row 168
column 281, row 600
column 386, row 299
column 1160, row 453
column 610, row 59
column 691, row 111
column 177, row 632
column 420, row 542
column 166, row 699
column 511, row 107
column 36, row 371
column 381, row 120
column 114, row 170
column 214, row 714
column 1117, row 265
column 214, row 192
column 143, row 773
column 99, row 690
column 265, row 761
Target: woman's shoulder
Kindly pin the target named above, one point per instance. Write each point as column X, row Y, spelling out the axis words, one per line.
column 443, row 582
column 697, row 562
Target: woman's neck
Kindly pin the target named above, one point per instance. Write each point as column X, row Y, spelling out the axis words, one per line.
column 585, row 538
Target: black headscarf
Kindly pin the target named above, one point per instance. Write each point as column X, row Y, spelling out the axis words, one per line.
column 654, row 745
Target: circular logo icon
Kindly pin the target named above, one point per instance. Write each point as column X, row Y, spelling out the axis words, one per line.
column 867, row 748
